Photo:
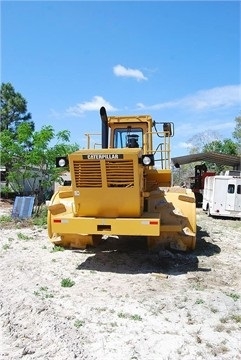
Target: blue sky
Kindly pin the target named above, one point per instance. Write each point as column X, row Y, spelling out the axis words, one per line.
column 178, row 61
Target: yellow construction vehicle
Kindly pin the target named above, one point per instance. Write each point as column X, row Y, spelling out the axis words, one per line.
column 123, row 189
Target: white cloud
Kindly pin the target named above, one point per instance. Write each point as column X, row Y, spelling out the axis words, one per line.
column 225, row 96
column 94, row 105
column 213, row 125
column 185, row 145
column 221, row 126
column 120, row 70
column 218, row 97
column 140, row 106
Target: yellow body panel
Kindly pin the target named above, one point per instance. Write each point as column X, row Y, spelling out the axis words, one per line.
column 107, row 184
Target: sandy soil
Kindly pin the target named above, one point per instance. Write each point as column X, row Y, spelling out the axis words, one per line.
column 125, row 303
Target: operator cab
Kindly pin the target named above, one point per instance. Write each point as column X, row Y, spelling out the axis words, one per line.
column 127, row 131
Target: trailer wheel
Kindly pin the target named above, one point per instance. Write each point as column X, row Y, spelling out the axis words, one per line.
column 208, row 211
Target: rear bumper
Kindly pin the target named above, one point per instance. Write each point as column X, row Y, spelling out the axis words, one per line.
column 105, row 226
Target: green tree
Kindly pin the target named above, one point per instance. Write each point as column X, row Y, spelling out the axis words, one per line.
column 34, row 165
column 13, row 112
column 13, row 109
column 226, row 146
column 237, row 133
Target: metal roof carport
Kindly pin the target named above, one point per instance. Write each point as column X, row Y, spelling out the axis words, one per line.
column 212, row 157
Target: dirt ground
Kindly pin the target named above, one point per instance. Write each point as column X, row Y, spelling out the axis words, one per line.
column 121, row 301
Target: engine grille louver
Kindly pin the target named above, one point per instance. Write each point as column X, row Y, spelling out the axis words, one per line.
column 118, row 173
column 87, row 174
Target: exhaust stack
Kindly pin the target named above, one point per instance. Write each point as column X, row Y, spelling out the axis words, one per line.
column 105, row 128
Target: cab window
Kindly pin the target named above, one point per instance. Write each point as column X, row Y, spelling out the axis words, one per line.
column 131, row 138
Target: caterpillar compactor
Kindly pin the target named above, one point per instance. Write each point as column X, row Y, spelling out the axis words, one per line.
column 123, row 189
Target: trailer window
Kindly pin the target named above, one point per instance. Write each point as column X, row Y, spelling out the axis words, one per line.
column 231, row 188
column 239, row 189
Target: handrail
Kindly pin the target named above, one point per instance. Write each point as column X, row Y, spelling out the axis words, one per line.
column 163, row 148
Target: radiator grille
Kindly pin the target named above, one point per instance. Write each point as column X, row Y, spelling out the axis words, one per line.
column 87, row 174
column 119, row 173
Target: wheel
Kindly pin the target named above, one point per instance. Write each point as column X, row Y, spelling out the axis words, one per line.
column 208, row 211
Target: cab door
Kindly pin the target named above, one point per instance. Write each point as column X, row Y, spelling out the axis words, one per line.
column 237, row 202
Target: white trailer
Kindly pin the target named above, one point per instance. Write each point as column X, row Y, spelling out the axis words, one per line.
column 222, row 196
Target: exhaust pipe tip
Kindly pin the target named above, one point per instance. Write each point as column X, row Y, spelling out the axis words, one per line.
column 103, row 113
column 105, row 129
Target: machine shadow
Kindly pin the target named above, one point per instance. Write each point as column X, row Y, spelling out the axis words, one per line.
column 127, row 256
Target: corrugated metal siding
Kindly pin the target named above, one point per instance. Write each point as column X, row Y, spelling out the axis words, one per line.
column 23, row 207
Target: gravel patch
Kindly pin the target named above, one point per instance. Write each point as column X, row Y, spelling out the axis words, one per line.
column 120, row 301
